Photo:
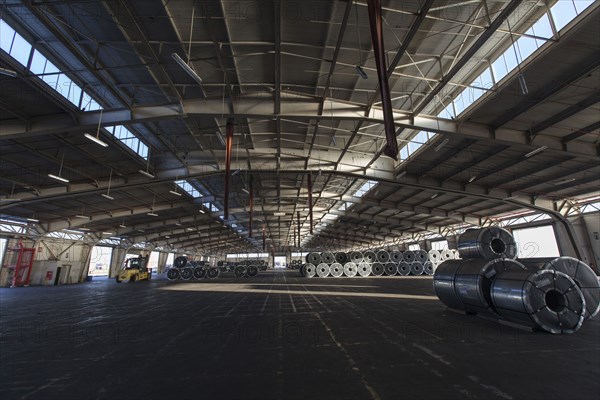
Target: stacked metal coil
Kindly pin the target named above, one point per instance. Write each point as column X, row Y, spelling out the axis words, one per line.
column 555, row 295
column 186, row 270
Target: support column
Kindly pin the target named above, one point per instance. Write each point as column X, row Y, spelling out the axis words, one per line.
column 116, row 261
column 162, row 262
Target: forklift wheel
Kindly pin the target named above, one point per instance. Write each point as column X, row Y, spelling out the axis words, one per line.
column 118, row 280
column 132, row 279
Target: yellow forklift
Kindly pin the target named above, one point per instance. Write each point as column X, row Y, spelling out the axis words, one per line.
column 134, row 269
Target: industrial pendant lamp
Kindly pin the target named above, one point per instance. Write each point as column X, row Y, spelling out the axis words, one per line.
column 107, row 194
column 96, row 139
column 59, row 176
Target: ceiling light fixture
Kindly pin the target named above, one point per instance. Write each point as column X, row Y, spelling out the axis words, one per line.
column 200, row 211
column 513, row 197
column 8, row 72
column 152, row 214
column 361, row 71
column 33, row 220
column 123, row 226
column 178, row 223
column 472, row 179
column 245, row 190
column 439, row 146
column 536, row 151
column 108, row 233
column 96, row 139
column 82, row 216
column 187, row 68
column 237, row 171
column 433, row 196
column 220, row 138
column 146, row 173
column 279, row 213
column 107, row 194
column 175, row 192
column 59, row 177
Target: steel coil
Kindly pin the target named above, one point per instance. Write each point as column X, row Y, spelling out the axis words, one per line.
column 408, row 256
column 421, row 256
column 180, row 262
column 310, row 270
column 547, row 299
column 341, row 257
column 201, row 263
column 302, row 270
column 390, row 268
column 199, row 272
column 365, row 269
column 465, row 284
column 336, row 270
column 350, row 269
column 213, row 273
column 428, row 268
column 455, row 254
column 356, row 257
column 187, row 273
column 435, row 256
column 240, row 271
column 404, row 268
column 252, row 271
column 487, row 243
column 416, row 268
column 377, row 269
column 446, row 255
column 580, row 272
column 173, row 274
column 369, row 257
column 219, row 263
column 474, row 279
column 383, row 256
column 443, row 284
column 263, row 267
column 327, row 258
column 323, row 270
column 396, row 256
column 313, row 258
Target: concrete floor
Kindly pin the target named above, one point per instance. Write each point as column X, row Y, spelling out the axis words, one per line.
column 277, row 336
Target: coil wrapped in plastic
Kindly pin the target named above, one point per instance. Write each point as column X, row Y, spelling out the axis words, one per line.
column 327, row 258
column 391, row 268
column 434, row 256
column 396, row 257
column 341, row 258
column 370, row 257
column 416, row 268
column 383, row 256
column 546, row 299
column 421, row 256
column 310, row 270
column 377, row 269
column 323, row 270
column 313, row 258
column 404, row 268
column 409, row 256
column 365, row 269
column 487, row 243
column 356, row 257
column 350, row 269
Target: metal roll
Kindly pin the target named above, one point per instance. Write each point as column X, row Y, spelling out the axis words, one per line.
column 213, row 273
column 173, row 274
column 341, row 257
column 252, row 271
column 302, row 270
column 199, row 272
column 336, row 270
column 350, row 269
column 421, row 256
column 240, row 271
column 390, row 268
column 356, row 257
column 369, row 257
column 201, row 263
column 180, row 262
column 313, row 258
column 428, row 268
column 323, row 270
column 383, row 256
column 443, row 284
column 434, row 256
column 580, row 272
column 546, row 299
column 219, row 263
column 263, row 262
column 365, row 269
column 446, row 255
column 377, row 269
column 193, row 264
column 408, row 256
column 396, row 256
column 310, row 270
column 404, row 268
column 487, row 243
column 455, row 254
column 416, row 268
column 263, row 267
column 187, row 273
column 327, row 258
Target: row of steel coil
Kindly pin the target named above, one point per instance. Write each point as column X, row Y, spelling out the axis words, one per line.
column 185, row 270
column 373, row 263
column 551, row 294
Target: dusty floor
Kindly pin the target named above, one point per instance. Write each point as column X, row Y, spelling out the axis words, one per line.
column 277, row 336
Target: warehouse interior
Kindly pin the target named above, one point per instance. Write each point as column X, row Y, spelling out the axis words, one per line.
column 225, row 131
